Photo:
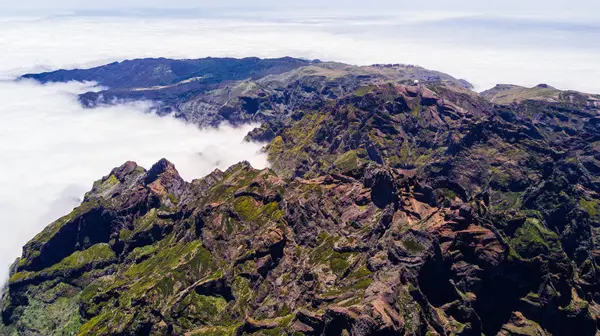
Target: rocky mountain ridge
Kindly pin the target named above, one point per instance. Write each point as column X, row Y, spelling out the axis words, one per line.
column 209, row 91
column 506, row 94
column 392, row 209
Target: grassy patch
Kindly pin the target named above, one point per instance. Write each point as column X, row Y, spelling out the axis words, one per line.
column 96, row 253
column 591, row 207
column 215, row 331
column 347, row 162
column 53, row 228
column 290, row 148
column 338, row 262
column 61, row 317
column 413, row 246
column 141, row 252
column 533, row 239
column 364, row 90
column 250, row 210
column 416, row 110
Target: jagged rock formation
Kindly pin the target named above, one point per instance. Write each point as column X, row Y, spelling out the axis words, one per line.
column 246, row 251
column 392, row 209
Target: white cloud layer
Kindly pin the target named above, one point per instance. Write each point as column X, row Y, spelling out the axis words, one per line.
column 485, row 50
column 52, row 150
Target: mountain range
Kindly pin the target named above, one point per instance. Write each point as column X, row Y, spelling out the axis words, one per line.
column 398, row 202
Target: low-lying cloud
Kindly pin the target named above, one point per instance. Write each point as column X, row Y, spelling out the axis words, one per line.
column 52, row 150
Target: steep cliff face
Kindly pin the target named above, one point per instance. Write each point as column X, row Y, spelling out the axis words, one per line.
column 391, row 209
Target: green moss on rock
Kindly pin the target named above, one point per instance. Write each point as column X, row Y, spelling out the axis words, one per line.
column 96, row 253
column 53, row 228
column 347, row 162
column 591, row 207
column 533, row 239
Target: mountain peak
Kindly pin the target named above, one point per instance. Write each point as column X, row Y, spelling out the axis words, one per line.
column 163, row 166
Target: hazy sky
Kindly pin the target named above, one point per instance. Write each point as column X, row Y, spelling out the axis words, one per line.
column 561, row 10
column 485, row 49
column 492, row 5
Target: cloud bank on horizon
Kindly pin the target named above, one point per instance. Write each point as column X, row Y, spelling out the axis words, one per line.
column 482, row 48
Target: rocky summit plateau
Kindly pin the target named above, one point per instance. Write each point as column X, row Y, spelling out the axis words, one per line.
column 398, row 202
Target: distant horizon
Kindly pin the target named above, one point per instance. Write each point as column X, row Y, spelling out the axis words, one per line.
column 584, row 18
column 18, row 78
column 556, row 8
column 523, row 51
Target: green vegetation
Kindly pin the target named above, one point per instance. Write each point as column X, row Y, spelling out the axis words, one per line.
column 215, row 331
column 514, row 93
column 141, row 224
column 275, row 148
column 250, row 210
column 500, row 176
column 413, row 246
column 290, row 148
column 494, row 200
column 173, row 199
column 157, row 277
column 502, row 201
column 364, row 90
column 97, row 253
column 53, row 228
column 79, row 259
column 591, row 207
column 338, row 262
column 204, row 308
column 324, row 254
column 533, row 239
column 347, row 162
column 106, row 183
column 447, row 194
column 416, row 110
column 57, row 318
column 169, row 258
column 141, row 252
column 405, row 152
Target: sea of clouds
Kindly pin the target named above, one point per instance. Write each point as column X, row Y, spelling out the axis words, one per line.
column 52, row 149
